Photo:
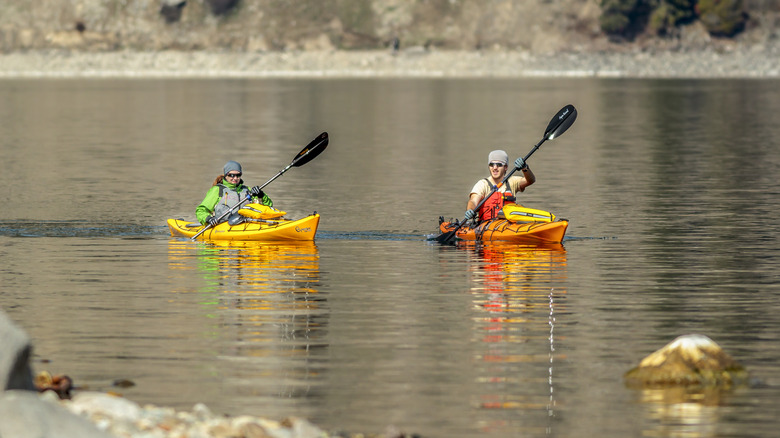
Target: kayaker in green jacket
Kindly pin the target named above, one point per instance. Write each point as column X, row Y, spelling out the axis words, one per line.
column 227, row 191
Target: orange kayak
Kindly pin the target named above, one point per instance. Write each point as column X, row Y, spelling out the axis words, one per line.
column 506, row 231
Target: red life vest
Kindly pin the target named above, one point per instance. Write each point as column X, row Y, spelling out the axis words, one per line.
column 492, row 206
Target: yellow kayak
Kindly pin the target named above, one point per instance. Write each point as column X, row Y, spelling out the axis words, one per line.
column 252, row 230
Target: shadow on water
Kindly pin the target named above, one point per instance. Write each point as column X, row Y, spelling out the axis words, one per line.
column 51, row 228
column 82, row 229
column 368, row 235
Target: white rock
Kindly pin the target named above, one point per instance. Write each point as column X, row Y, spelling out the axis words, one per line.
column 117, row 408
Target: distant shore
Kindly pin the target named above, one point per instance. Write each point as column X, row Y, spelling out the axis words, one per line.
column 738, row 62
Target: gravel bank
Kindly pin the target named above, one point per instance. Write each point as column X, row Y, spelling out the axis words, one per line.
column 757, row 61
column 123, row 418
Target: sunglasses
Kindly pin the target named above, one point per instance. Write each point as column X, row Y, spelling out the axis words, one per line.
column 496, row 165
column 233, row 175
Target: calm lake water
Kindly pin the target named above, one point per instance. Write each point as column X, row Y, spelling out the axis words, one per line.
column 670, row 187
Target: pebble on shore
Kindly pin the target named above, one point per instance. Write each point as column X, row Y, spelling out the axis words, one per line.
column 756, row 61
column 44, row 407
column 124, row 418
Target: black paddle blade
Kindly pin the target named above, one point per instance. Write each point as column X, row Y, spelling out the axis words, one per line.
column 447, row 237
column 311, row 150
column 561, row 122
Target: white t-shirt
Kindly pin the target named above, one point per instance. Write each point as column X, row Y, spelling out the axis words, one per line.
column 483, row 188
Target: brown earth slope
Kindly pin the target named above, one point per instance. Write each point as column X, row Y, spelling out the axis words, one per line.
column 535, row 26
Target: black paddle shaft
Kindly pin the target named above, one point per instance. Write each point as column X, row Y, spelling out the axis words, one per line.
column 314, row 148
column 557, row 126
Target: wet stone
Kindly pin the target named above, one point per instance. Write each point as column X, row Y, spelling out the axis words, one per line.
column 689, row 360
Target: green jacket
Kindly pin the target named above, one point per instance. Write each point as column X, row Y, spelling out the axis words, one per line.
column 231, row 195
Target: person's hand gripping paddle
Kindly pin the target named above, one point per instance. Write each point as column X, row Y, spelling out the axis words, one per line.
column 557, row 126
column 314, row 148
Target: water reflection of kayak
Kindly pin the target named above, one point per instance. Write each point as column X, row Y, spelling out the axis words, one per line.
column 251, row 230
column 507, row 231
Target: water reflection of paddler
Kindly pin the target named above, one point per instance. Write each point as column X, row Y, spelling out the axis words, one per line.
column 510, row 262
column 226, row 192
column 511, row 274
column 261, row 265
column 269, row 312
column 499, row 193
column 513, row 286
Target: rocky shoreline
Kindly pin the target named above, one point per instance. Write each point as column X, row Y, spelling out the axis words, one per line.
column 724, row 61
column 46, row 408
column 51, row 408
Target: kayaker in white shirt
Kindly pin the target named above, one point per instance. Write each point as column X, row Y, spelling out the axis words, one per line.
column 498, row 164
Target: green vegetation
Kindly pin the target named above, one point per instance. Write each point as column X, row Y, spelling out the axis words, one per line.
column 618, row 16
column 722, row 17
column 629, row 18
column 671, row 13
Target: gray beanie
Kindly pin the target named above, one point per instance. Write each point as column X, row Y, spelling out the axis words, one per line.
column 231, row 166
column 498, row 155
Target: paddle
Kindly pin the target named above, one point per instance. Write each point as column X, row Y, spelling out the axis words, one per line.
column 557, row 126
column 314, row 148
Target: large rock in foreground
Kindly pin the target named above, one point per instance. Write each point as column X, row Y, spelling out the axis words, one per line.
column 15, row 353
column 25, row 414
column 690, row 360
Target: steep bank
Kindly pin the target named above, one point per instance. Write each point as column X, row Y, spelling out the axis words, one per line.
column 337, row 38
column 255, row 26
column 273, row 25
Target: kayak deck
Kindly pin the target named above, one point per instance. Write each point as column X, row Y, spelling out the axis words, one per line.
column 507, row 231
column 260, row 230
